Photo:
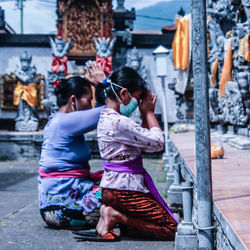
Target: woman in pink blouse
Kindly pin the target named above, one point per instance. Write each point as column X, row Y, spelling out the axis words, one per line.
column 129, row 196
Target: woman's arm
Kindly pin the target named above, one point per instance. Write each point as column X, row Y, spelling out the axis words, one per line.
column 80, row 122
column 130, row 133
column 149, row 136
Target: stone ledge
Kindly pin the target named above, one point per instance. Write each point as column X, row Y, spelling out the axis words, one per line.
column 226, row 236
column 236, row 141
column 27, row 145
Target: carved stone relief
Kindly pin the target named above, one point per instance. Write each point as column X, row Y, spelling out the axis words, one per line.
column 83, row 20
column 225, row 16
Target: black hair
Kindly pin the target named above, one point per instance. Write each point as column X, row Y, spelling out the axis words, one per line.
column 127, row 78
column 74, row 85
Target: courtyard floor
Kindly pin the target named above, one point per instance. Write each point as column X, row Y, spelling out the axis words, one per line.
column 21, row 226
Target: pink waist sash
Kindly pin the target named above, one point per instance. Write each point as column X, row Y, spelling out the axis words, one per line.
column 135, row 166
column 73, row 173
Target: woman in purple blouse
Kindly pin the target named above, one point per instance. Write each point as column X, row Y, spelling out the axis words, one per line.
column 68, row 196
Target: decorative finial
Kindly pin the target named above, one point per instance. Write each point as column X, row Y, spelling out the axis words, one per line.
column 120, row 4
column 25, row 57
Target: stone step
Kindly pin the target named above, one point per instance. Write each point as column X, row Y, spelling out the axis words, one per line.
column 27, row 145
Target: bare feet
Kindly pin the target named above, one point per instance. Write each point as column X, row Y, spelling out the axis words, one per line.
column 109, row 219
column 99, row 225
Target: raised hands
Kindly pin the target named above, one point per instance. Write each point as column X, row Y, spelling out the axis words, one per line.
column 147, row 108
column 148, row 103
column 96, row 74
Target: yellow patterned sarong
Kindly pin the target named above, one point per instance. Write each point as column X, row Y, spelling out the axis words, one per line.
column 27, row 93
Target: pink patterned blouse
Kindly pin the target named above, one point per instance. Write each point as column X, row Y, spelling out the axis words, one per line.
column 120, row 139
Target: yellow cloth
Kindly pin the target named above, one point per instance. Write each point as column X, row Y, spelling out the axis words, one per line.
column 93, row 100
column 214, row 72
column 244, row 47
column 226, row 74
column 27, row 93
column 180, row 44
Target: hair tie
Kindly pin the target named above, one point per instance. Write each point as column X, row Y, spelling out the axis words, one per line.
column 56, row 83
column 106, row 82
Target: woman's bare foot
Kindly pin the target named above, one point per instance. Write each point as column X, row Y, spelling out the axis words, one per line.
column 101, row 220
column 109, row 219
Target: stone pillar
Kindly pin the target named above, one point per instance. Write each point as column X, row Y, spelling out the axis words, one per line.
column 202, row 126
column 186, row 237
column 175, row 190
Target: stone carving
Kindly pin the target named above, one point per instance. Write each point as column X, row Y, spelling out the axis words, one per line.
column 58, row 71
column 25, row 95
column 104, row 49
column 236, row 114
column 214, row 110
column 104, row 46
column 50, row 103
column 244, row 84
column 134, row 60
column 246, row 4
column 59, row 52
column 225, row 16
column 82, row 20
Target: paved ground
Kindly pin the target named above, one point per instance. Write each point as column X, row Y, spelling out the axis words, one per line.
column 21, row 226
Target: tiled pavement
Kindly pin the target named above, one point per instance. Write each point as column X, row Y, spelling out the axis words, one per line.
column 230, row 181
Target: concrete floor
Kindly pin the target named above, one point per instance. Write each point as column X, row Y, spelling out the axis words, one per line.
column 21, row 226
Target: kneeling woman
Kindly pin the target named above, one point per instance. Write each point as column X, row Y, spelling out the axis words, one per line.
column 67, row 191
column 128, row 193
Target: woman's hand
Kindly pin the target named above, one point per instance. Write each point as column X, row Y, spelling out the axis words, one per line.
column 96, row 74
column 148, row 103
column 147, row 108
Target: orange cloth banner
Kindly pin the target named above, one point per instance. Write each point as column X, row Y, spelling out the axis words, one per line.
column 226, row 74
column 27, row 93
column 244, row 47
column 180, row 44
column 214, row 72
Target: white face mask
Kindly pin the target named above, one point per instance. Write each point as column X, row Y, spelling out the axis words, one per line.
column 128, row 109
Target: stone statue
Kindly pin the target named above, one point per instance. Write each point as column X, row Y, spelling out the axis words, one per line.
column 241, row 64
column 237, row 115
column 104, row 49
column 50, row 103
column 104, row 46
column 58, row 71
column 246, row 4
column 233, row 109
column 134, row 60
column 59, row 52
column 214, row 109
column 25, row 95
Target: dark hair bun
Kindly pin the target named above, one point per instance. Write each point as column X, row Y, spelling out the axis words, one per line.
column 61, row 87
column 74, row 85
